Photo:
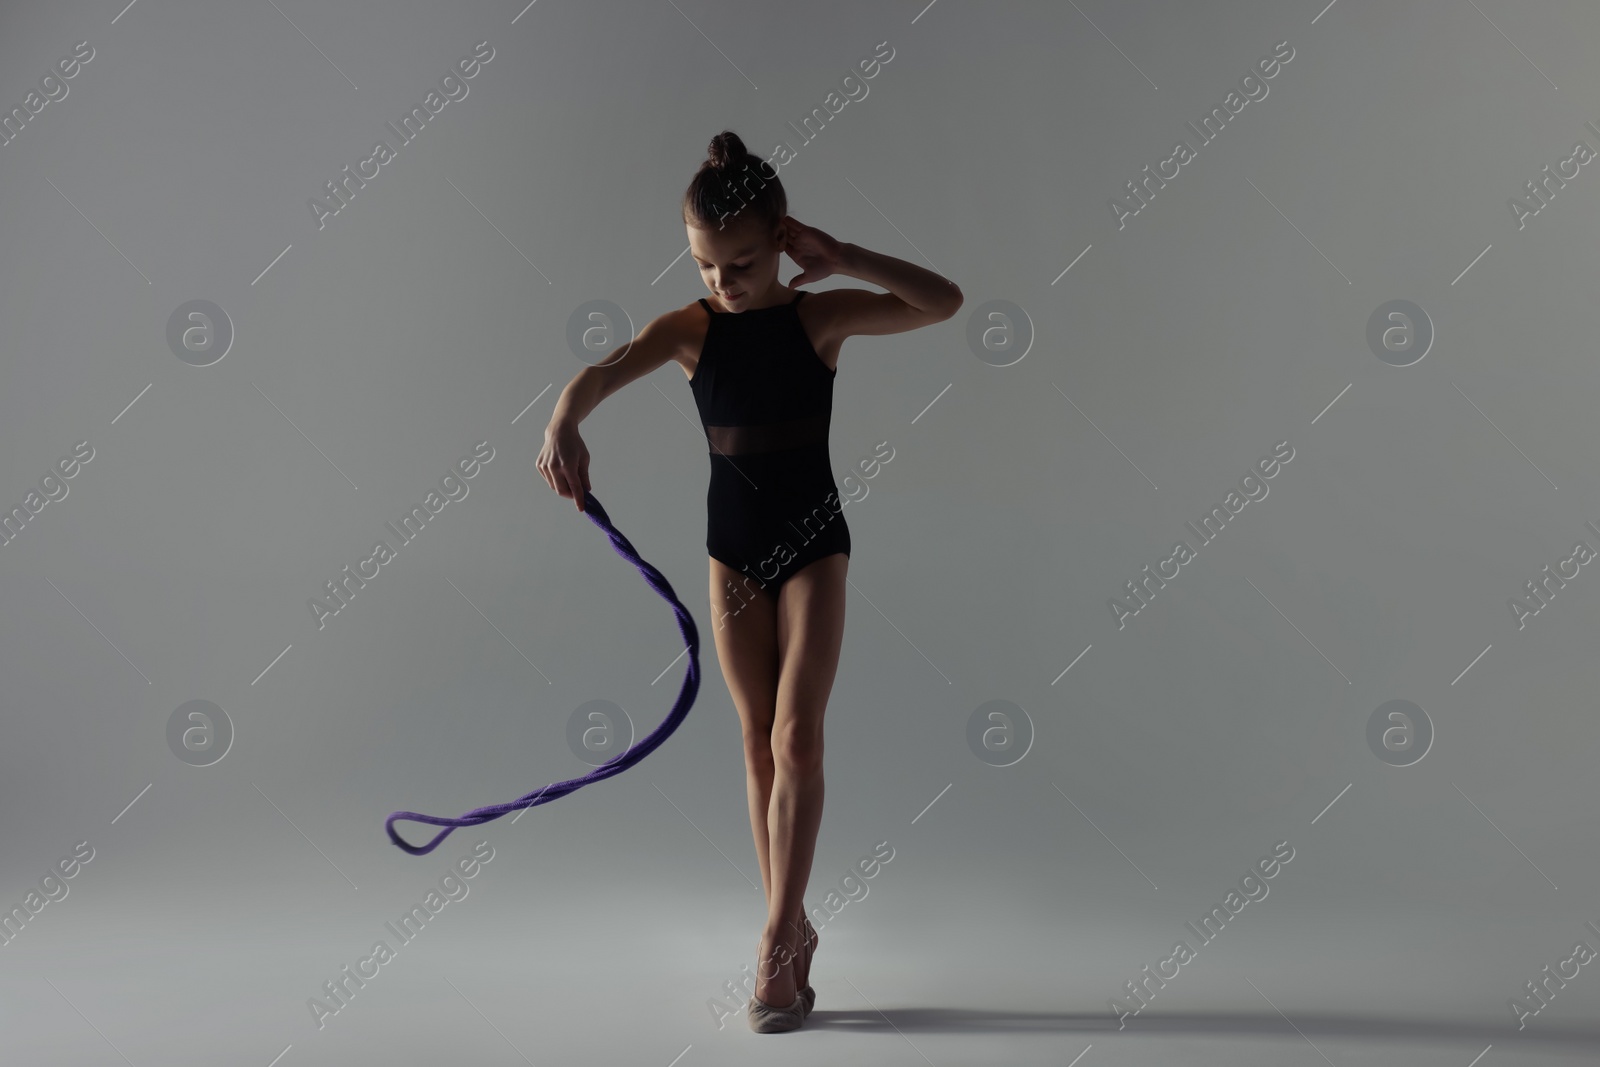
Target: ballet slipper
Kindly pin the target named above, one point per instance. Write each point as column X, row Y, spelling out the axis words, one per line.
column 767, row 1019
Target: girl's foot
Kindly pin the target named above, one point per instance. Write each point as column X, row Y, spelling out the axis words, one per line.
column 805, row 943
column 765, row 1019
column 803, row 973
column 777, row 955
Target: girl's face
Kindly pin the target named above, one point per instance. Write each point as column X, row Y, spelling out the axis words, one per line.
column 739, row 263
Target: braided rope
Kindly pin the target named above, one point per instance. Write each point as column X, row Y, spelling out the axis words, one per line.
column 616, row 764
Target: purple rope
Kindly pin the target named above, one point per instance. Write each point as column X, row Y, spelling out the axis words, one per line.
column 616, row 764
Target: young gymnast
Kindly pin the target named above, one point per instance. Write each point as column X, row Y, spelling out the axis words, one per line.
column 761, row 362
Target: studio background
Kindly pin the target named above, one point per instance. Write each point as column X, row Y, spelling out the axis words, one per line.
column 1136, row 371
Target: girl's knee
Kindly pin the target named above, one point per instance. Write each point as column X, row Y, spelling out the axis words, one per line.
column 797, row 749
column 758, row 741
column 758, row 751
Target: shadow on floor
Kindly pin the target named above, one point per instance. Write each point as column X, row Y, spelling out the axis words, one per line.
column 966, row 1020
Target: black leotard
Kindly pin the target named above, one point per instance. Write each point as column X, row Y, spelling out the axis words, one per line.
column 765, row 400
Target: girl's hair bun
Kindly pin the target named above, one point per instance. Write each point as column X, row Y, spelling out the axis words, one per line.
column 729, row 181
column 726, row 152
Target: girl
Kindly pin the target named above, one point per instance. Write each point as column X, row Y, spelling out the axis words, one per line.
column 761, row 362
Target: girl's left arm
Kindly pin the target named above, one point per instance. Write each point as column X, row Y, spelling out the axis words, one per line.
column 924, row 290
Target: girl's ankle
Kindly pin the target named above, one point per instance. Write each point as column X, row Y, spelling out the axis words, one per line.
column 778, row 967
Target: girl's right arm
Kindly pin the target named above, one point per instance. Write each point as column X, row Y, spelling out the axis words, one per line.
column 564, row 460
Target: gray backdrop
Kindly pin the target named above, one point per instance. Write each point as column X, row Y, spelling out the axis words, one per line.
column 1065, row 788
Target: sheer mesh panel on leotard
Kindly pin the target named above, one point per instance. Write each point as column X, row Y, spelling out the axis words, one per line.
column 768, row 437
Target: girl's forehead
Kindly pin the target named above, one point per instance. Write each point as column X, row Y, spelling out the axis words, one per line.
column 745, row 248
